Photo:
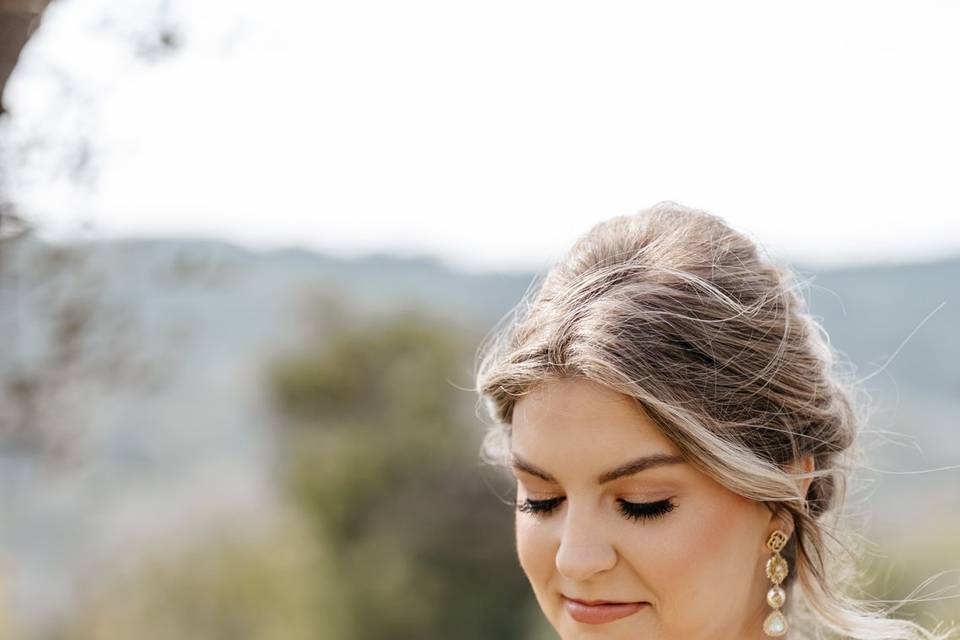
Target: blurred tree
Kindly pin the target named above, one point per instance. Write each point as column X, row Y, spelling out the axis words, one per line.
column 76, row 338
column 223, row 585
column 18, row 21
column 66, row 344
column 60, row 143
column 381, row 453
column 393, row 533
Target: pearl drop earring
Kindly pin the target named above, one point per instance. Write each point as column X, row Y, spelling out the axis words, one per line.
column 776, row 623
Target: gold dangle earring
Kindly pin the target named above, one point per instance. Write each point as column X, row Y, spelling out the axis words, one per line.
column 776, row 623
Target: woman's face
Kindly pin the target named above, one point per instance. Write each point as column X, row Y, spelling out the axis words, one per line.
column 695, row 557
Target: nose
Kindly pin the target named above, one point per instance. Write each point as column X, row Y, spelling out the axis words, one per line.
column 584, row 548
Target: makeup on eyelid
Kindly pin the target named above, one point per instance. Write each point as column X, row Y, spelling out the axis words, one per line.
column 633, row 511
column 634, row 491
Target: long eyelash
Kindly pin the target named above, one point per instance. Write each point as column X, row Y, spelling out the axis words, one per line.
column 538, row 507
column 646, row 510
column 630, row 510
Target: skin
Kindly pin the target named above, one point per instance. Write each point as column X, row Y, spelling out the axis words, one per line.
column 700, row 565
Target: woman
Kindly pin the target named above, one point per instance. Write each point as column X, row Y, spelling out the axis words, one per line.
column 680, row 439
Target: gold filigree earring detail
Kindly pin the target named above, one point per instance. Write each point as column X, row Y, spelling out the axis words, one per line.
column 776, row 623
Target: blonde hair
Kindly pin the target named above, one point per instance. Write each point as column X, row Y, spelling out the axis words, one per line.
column 675, row 309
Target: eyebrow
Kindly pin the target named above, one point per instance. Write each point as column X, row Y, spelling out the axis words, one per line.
column 626, row 469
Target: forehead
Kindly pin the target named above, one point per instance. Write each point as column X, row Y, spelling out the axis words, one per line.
column 578, row 415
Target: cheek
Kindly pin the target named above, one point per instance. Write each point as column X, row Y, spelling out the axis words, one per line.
column 534, row 550
column 703, row 557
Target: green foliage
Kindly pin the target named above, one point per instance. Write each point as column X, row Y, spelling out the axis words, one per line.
column 398, row 367
column 222, row 586
column 382, row 457
column 392, row 531
column 922, row 564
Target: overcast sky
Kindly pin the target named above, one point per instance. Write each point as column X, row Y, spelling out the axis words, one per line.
column 492, row 133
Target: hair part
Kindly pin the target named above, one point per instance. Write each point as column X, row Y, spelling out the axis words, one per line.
column 673, row 308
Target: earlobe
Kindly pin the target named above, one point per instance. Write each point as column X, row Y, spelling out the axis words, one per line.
column 782, row 521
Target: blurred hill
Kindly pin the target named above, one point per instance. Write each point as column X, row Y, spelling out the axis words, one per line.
column 898, row 327
column 193, row 439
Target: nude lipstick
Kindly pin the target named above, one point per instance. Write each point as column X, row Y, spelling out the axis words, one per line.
column 600, row 613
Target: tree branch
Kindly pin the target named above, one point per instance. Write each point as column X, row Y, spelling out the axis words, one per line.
column 18, row 20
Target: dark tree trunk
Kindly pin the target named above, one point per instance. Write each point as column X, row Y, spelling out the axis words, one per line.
column 18, row 20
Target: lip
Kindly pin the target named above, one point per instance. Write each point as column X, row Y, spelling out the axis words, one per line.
column 599, row 611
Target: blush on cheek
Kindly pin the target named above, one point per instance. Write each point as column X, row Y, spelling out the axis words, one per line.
column 536, row 553
column 714, row 550
column 531, row 548
column 699, row 539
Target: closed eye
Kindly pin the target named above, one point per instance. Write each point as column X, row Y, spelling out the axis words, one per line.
column 646, row 510
column 630, row 510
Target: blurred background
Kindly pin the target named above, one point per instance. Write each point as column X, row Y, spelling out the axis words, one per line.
column 248, row 251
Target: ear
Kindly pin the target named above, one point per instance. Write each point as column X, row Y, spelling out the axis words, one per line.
column 805, row 465
column 782, row 519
